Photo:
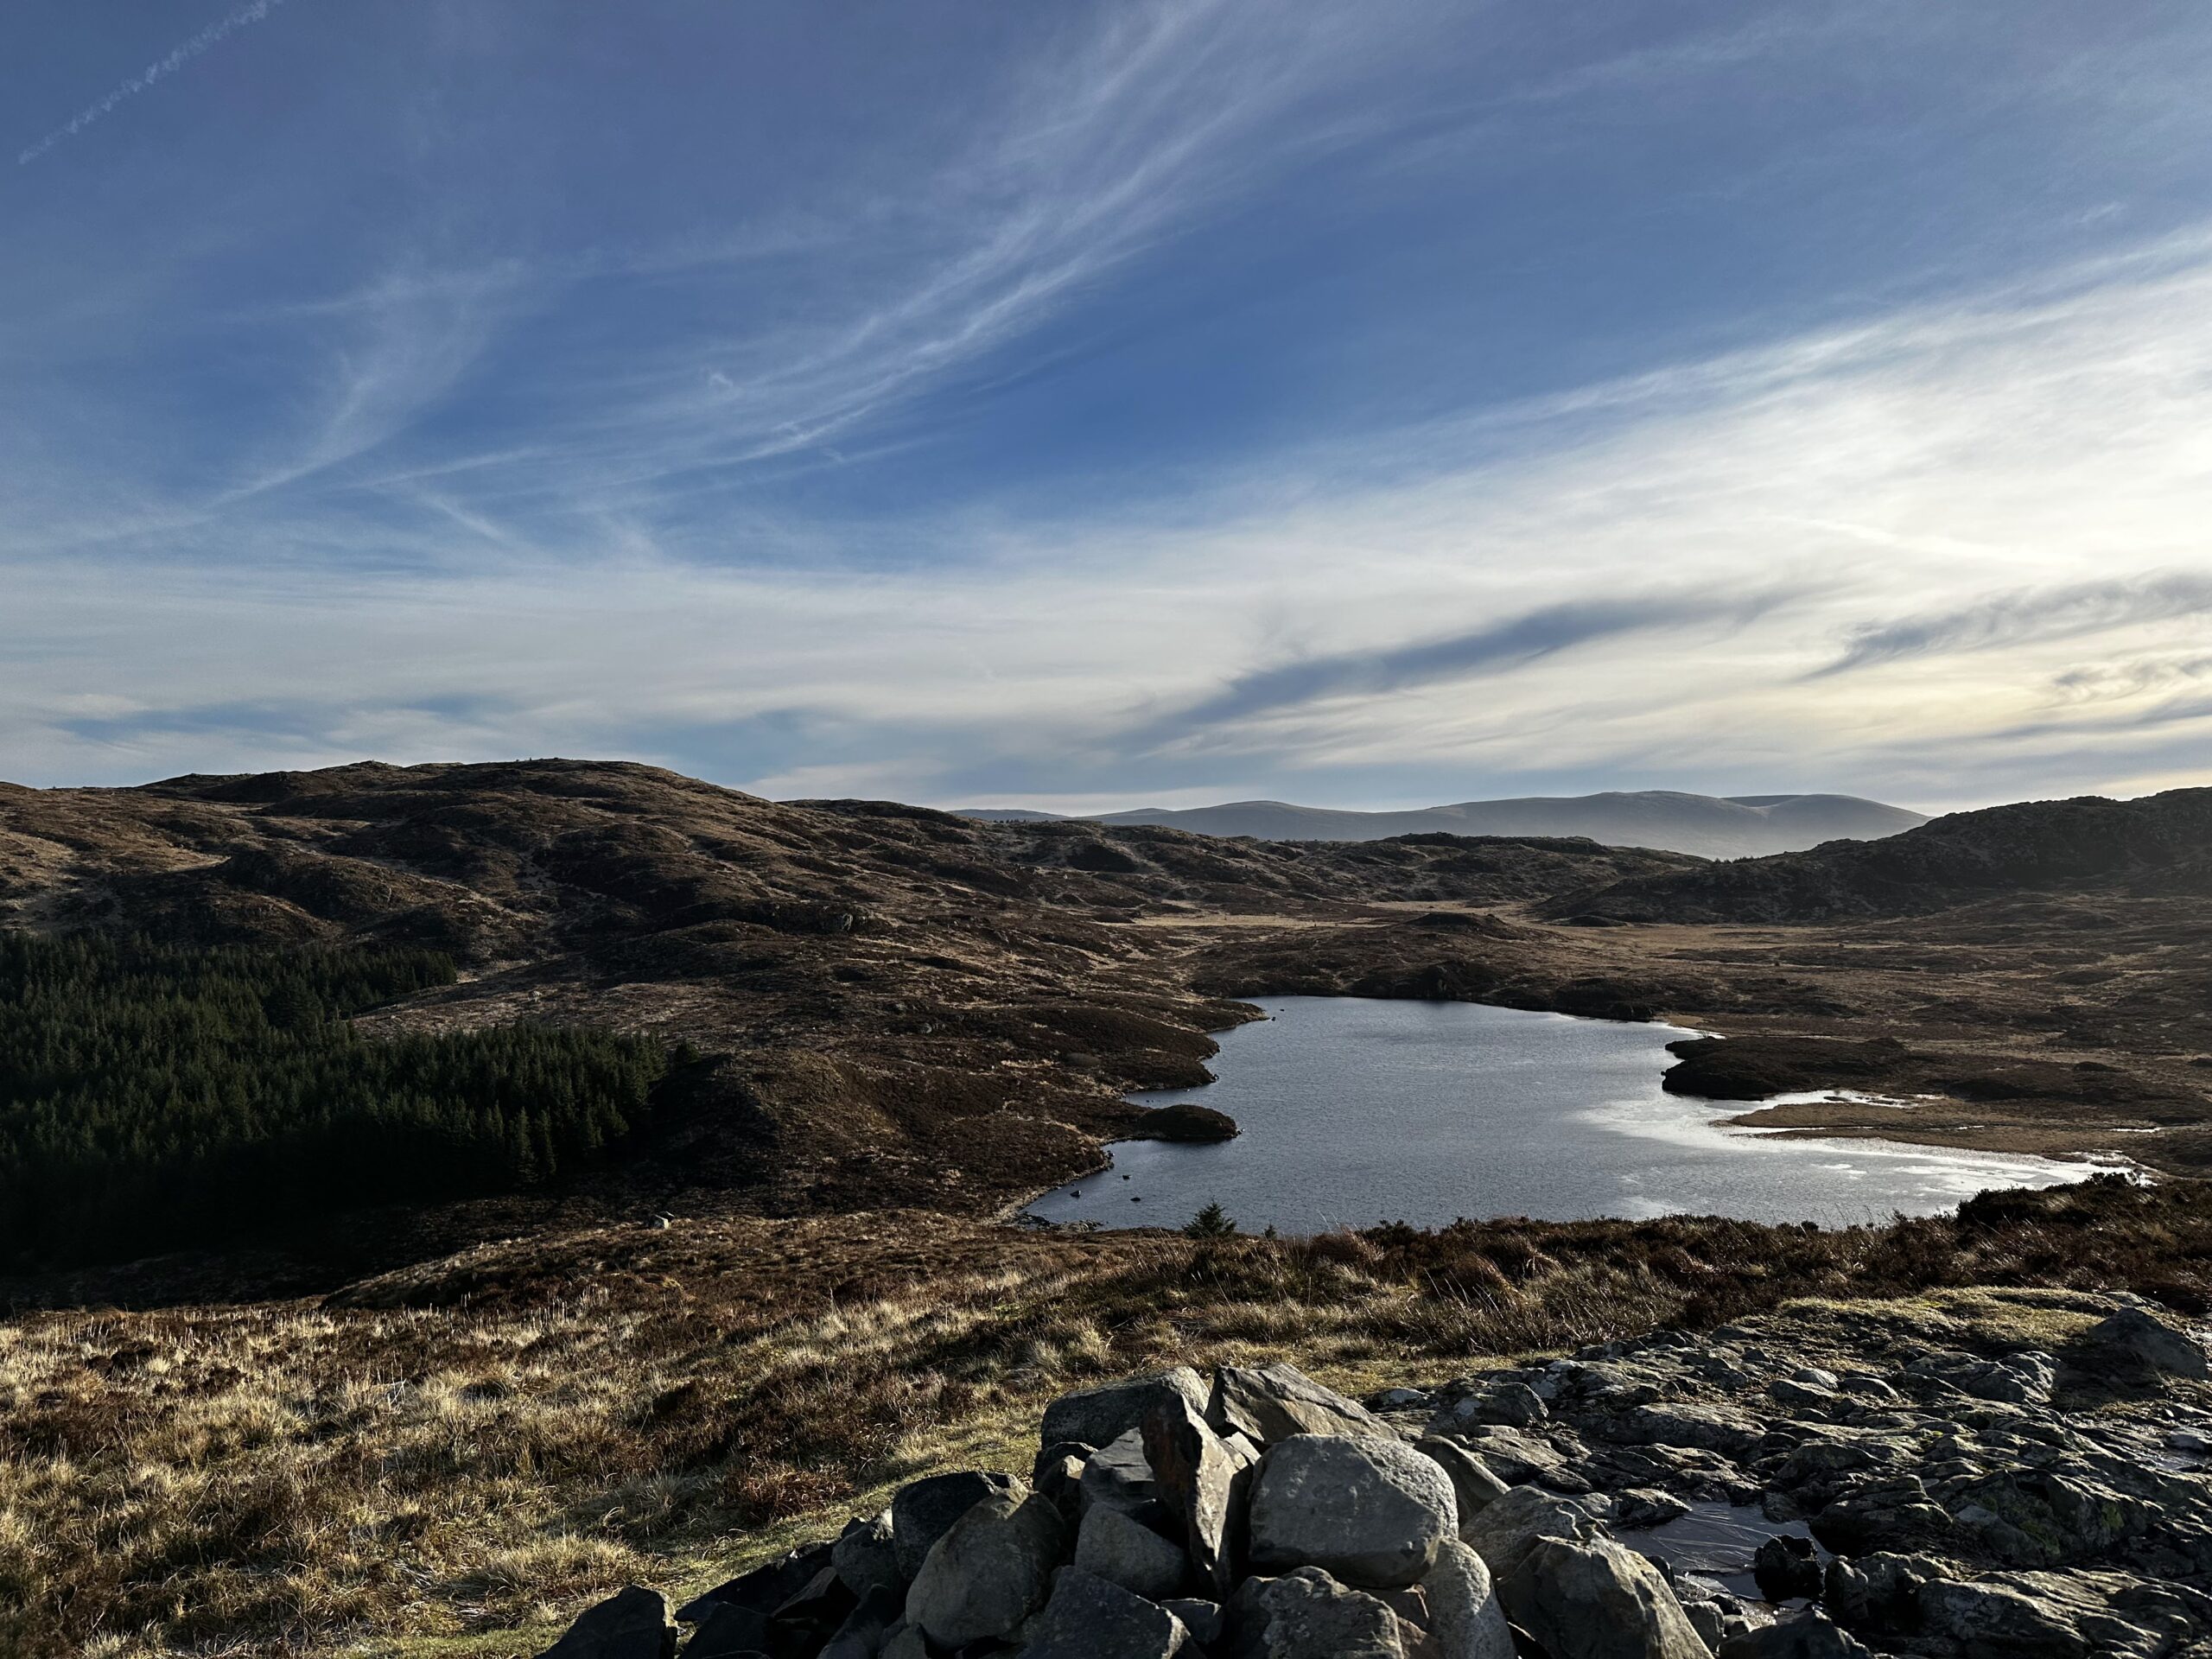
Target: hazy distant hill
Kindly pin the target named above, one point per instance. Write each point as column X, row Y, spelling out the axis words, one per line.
column 1742, row 826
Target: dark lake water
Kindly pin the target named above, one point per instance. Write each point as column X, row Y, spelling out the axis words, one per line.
column 1358, row 1111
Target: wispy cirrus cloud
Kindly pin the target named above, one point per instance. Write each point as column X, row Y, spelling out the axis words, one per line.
column 159, row 69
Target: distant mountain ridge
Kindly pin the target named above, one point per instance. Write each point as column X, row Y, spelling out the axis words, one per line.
column 1739, row 826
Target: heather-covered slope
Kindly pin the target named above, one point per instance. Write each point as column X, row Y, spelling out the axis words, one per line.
column 2161, row 844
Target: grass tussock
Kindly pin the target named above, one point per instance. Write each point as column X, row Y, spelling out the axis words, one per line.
column 482, row 1447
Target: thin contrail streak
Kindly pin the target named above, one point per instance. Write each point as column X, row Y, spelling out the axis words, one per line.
column 161, row 69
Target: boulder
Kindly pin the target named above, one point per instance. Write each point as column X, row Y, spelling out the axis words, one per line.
column 634, row 1623
column 1811, row 1637
column 1202, row 1483
column 730, row 1631
column 1119, row 1476
column 2059, row 1616
column 1596, row 1600
column 863, row 1632
column 2034, row 1517
column 1308, row 1615
column 1513, row 1455
column 989, row 1571
column 1099, row 1416
column 1111, row 1546
column 1505, row 1531
column 922, row 1510
column 1204, row 1619
column 1269, row 1403
column 812, row 1617
column 1877, row 1594
column 1710, row 1429
column 865, row 1557
column 1514, row 1405
column 766, row 1587
column 1466, row 1618
column 1372, row 1512
column 2133, row 1342
column 1787, row 1569
column 1642, row 1508
column 1089, row 1618
column 1473, row 1487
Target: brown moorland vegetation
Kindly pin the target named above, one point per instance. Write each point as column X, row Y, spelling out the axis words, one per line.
column 455, row 1458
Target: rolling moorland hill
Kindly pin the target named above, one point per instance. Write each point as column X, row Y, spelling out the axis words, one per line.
column 847, row 991
column 1743, row 826
column 790, row 1298
column 2158, row 845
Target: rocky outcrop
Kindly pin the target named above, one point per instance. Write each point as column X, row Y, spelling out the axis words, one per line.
column 1827, row 1483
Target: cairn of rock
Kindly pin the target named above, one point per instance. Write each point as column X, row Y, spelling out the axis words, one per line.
column 2009, row 1504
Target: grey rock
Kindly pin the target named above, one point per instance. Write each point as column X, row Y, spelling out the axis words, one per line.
column 1308, row 1615
column 1269, row 1403
column 1396, row 1400
column 634, row 1623
column 1787, row 1568
column 1877, row 1594
column 1642, row 1507
column 1505, row 1532
column 1862, row 1385
column 1204, row 1619
column 1119, row 1475
column 764, row 1588
column 1512, row 1454
column 1466, row 1618
column 1113, row 1546
column 809, row 1618
column 1811, row 1637
column 1711, row 1428
column 989, row 1571
column 1089, row 1617
column 2024, row 1378
column 1708, row 1620
column 1473, row 1486
column 731, row 1633
column 866, row 1628
column 1203, row 1484
column 2035, row 1518
column 865, row 1557
column 921, row 1511
column 1059, row 1480
column 906, row 1643
column 2059, row 1616
column 1596, row 1600
column 1794, row 1396
column 2142, row 1342
column 1816, row 1377
column 1370, row 1511
column 1515, row 1405
column 1100, row 1416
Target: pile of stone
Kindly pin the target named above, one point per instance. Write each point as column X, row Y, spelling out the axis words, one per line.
column 1915, row 1500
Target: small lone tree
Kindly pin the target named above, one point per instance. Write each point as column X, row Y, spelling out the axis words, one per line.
column 1213, row 1222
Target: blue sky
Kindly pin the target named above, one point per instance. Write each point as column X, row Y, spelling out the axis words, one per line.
column 1099, row 405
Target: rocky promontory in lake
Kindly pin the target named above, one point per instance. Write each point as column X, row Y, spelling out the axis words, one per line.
column 2006, row 1476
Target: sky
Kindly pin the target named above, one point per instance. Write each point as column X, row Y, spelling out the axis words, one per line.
column 1096, row 405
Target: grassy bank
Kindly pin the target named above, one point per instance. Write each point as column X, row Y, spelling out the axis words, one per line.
column 438, row 1458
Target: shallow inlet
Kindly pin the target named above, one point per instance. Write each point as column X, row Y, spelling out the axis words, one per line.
column 1358, row 1111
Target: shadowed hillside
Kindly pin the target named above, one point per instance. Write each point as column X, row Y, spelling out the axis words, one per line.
column 2160, row 844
